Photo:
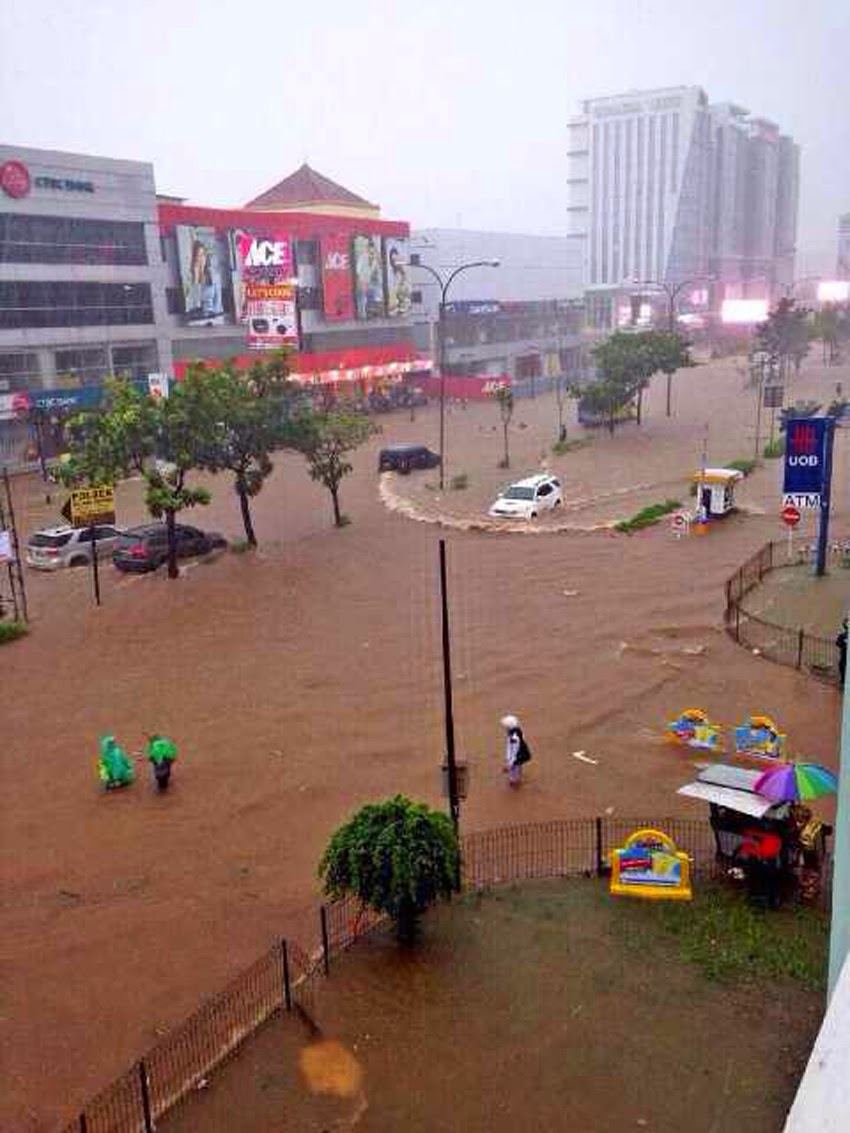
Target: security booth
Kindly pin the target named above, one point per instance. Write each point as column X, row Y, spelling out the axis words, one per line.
column 777, row 849
column 715, row 491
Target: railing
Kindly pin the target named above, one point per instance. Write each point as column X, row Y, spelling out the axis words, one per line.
column 285, row 978
column 787, row 645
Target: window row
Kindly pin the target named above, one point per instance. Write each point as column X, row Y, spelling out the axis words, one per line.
column 28, row 304
column 69, row 240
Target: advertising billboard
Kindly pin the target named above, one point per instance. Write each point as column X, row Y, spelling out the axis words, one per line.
column 368, row 277
column 264, row 288
column 202, row 264
column 746, row 312
column 834, row 291
column 396, row 263
column 805, row 456
column 337, row 296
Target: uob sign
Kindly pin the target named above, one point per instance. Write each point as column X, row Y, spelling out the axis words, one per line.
column 805, row 454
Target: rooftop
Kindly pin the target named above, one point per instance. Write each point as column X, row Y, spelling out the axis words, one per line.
column 307, row 187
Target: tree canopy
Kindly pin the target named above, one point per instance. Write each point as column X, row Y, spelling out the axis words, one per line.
column 325, row 439
column 397, row 856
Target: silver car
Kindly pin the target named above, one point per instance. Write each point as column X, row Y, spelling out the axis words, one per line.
column 56, row 547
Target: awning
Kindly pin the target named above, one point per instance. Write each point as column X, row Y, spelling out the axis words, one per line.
column 745, row 802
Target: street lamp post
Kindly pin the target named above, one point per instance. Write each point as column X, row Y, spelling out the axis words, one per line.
column 672, row 294
column 444, row 290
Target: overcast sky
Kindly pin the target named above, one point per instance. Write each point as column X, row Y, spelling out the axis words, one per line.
column 445, row 113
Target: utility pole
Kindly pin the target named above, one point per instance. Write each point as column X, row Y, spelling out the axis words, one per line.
column 451, row 764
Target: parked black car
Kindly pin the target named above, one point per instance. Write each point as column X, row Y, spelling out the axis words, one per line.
column 141, row 549
column 404, row 458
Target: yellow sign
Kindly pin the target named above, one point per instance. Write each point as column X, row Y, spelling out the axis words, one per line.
column 92, row 505
column 649, row 865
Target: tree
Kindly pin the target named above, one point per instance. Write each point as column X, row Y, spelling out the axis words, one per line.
column 243, row 415
column 132, row 432
column 670, row 353
column 561, row 393
column 785, row 335
column 505, row 399
column 798, row 409
column 324, row 439
column 826, row 327
column 398, row 857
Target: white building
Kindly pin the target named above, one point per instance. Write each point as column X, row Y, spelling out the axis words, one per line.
column 664, row 186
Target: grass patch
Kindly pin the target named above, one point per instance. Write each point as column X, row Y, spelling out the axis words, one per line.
column 344, row 520
column 561, row 448
column 774, row 449
column 460, row 482
column 647, row 516
column 731, row 941
column 743, row 465
column 11, row 631
column 240, row 546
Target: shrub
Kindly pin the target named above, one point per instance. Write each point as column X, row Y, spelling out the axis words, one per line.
column 647, row 516
column 561, row 448
column 743, row 465
column 240, row 546
column 459, row 482
column 775, row 449
column 398, row 857
column 11, row 631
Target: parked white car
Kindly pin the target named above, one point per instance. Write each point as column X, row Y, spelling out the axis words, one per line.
column 56, row 547
column 526, row 499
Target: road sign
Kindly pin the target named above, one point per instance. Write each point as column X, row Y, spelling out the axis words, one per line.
column 773, row 397
column 803, row 501
column 790, row 516
column 90, row 505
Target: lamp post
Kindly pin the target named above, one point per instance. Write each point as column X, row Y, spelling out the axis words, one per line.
column 444, row 290
column 672, row 293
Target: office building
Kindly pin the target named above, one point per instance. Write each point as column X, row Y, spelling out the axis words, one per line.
column 522, row 319
column 81, row 283
column 665, row 186
column 843, row 259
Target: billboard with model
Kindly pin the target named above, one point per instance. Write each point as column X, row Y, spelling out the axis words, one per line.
column 368, row 277
column 201, row 263
column 396, row 260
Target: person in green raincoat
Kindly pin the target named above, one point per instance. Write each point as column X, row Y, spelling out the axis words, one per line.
column 161, row 752
column 114, row 767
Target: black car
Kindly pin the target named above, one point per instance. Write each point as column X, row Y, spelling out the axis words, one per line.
column 145, row 548
column 403, row 458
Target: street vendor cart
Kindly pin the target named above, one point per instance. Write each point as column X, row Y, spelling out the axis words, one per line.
column 778, row 849
column 715, row 491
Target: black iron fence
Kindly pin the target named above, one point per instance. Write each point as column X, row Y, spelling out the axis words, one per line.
column 785, row 644
column 285, row 978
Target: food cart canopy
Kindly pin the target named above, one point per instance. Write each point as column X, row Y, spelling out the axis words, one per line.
column 732, row 787
column 745, row 802
column 718, row 476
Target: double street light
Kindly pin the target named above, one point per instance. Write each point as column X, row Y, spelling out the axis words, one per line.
column 444, row 286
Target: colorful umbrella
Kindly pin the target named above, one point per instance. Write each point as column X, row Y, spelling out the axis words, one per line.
column 791, row 782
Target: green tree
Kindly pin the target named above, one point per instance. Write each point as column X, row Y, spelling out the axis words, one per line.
column 798, row 409
column 398, row 857
column 785, row 336
column 670, row 352
column 505, row 400
column 324, row 439
column 241, row 418
column 826, row 327
column 132, row 432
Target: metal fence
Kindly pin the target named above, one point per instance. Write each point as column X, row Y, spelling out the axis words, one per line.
column 787, row 645
column 286, row 977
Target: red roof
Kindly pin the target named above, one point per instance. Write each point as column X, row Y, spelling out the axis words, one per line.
column 306, row 186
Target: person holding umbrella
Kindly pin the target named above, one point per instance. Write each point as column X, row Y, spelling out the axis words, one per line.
column 517, row 751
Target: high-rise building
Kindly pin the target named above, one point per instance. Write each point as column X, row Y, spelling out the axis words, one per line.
column 843, row 264
column 665, row 186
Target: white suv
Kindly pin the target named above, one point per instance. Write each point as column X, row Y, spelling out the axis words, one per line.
column 526, row 499
column 57, row 547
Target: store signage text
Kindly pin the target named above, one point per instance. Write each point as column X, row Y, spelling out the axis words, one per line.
column 66, row 184
column 267, row 253
column 336, row 261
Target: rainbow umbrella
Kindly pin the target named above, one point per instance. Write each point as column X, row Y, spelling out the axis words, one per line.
column 791, row 782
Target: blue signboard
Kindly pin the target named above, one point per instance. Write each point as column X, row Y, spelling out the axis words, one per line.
column 806, row 454
column 75, row 400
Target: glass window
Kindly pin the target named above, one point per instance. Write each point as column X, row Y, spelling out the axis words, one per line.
column 135, row 361
column 18, row 371
column 42, row 539
column 70, row 240
column 27, row 303
column 82, row 367
column 544, row 490
column 517, row 493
